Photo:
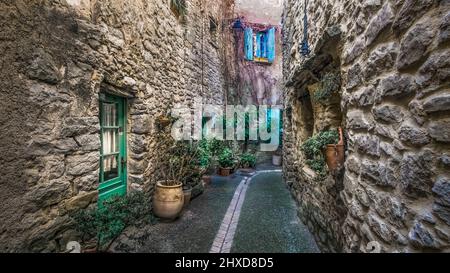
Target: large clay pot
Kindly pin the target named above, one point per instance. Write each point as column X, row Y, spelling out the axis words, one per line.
column 276, row 160
column 225, row 171
column 168, row 201
column 335, row 156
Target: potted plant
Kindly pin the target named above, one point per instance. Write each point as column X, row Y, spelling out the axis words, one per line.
column 205, row 160
column 277, row 158
column 335, row 153
column 168, row 199
column 324, row 148
column 247, row 162
column 226, row 162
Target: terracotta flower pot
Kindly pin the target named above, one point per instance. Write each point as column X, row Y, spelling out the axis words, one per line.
column 335, row 156
column 206, row 180
column 225, row 171
column 168, row 201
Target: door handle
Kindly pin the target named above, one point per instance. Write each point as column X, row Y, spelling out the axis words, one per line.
column 123, row 162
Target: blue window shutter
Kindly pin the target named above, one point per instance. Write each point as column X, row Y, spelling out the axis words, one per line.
column 271, row 45
column 248, row 44
column 258, row 45
column 264, row 43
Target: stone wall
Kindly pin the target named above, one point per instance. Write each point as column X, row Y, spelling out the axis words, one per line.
column 393, row 59
column 57, row 57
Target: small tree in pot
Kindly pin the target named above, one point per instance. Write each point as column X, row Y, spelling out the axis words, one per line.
column 226, row 162
column 247, row 161
column 175, row 167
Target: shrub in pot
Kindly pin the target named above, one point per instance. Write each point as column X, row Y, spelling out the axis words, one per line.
column 205, row 160
column 175, row 168
column 226, row 162
column 247, row 161
column 316, row 158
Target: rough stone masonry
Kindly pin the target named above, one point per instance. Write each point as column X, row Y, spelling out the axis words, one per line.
column 393, row 58
column 57, row 56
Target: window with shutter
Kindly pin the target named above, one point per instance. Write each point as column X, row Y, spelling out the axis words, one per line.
column 248, row 47
column 260, row 47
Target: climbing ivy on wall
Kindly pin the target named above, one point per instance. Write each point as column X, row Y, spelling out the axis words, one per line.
column 329, row 84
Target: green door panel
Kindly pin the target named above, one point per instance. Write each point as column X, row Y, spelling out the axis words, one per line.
column 113, row 152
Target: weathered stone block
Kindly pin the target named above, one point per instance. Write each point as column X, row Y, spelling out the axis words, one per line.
column 437, row 103
column 47, row 194
column 354, row 77
column 81, row 201
column 421, row 236
column 436, row 70
column 444, row 34
column 390, row 151
column 88, row 142
column 352, row 164
column 409, row 12
column 356, row 120
column 396, row 86
column 440, row 130
column 414, row 45
column 442, row 212
column 414, row 136
column 368, row 144
column 364, row 97
column 380, row 228
column 381, row 20
column 43, row 68
column 78, row 165
column 75, row 126
column 140, row 124
column 388, row 113
column 416, row 171
column 356, row 210
column 138, row 143
column 442, row 190
column 378, row 174
column 381, row 59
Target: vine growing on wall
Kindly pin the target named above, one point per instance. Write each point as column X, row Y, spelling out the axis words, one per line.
column 329, row 84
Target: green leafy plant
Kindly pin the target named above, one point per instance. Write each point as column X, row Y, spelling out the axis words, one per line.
column 226, row 158
column 329, row 84
column 180, row 163
column 107, row 221
column 313, row 149
column 216, row 146
column 204, row 154
column 247, row 160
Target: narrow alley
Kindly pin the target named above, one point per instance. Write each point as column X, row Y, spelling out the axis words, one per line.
column 268, row 222
column 225, row 126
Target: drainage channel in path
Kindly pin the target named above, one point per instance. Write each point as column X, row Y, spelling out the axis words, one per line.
column 262, row 218
column 238, row 214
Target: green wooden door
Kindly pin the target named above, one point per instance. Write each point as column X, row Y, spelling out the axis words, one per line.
column 113, row 166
